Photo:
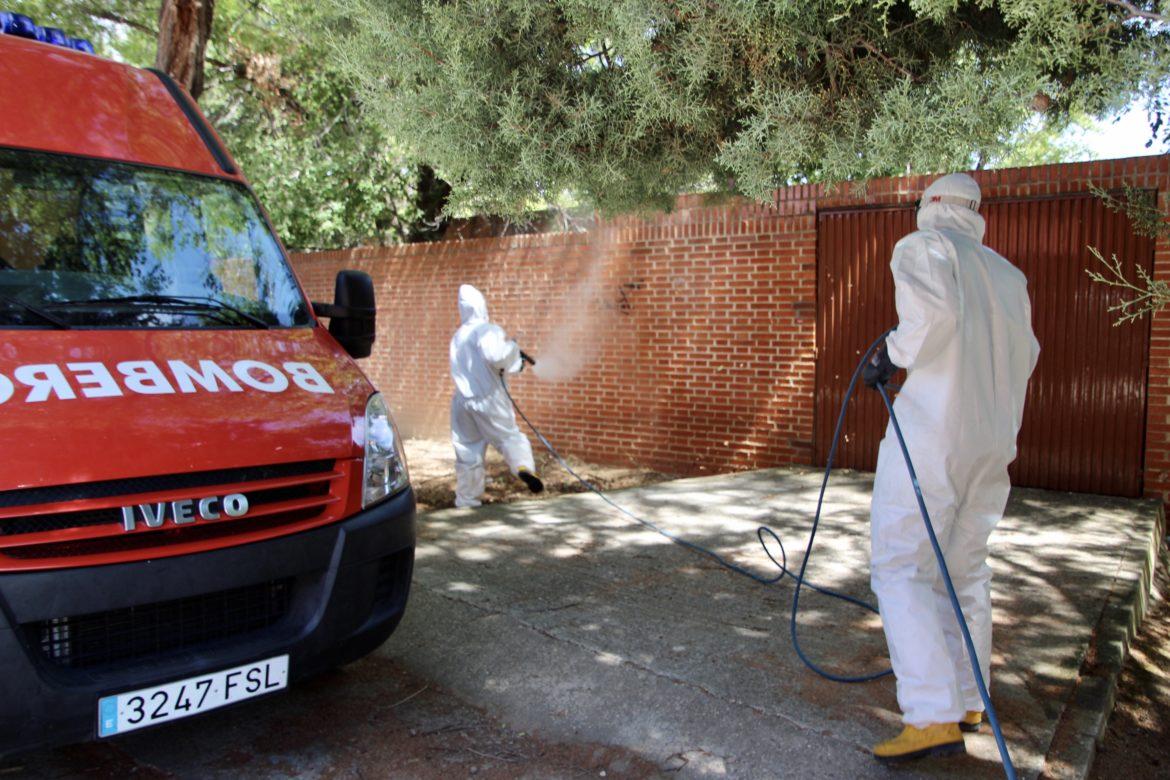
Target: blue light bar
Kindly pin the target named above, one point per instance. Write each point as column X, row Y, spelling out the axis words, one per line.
column 19, row 25
column 55, row 36
column 24, row 27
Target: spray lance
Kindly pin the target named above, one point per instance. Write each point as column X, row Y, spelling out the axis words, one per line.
column 880, row 369
column 525, row 358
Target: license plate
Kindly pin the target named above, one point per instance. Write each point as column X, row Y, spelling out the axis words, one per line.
column 149, row 706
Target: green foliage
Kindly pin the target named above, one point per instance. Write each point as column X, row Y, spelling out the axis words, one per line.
column 328, row 175
column 123, row 29
column 1140, row 206
column 1040, row 142
column 624, row 103
column 1147, row 296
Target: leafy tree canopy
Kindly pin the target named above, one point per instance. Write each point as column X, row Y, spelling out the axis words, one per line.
column 628, row 102
column 328, row 174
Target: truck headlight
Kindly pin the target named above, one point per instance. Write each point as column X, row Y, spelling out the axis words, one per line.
column 384, row 468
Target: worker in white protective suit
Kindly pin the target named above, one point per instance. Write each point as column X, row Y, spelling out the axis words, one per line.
column 481, row 413
column 965, row 337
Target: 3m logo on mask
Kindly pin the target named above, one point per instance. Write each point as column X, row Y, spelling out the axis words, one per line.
column 146, row 377
column 184, row 512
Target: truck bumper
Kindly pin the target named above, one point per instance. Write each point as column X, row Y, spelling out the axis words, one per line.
column 342, row 590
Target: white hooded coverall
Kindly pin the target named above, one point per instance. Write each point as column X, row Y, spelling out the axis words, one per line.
column 965, row 335
column 480, row 411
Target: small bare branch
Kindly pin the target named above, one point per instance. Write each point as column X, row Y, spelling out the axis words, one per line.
column 889, row 61
column 125, row 21
column 411, row 696
column 1138, row 13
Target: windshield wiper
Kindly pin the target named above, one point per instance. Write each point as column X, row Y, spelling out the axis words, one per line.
column 56, row 322
column 190, row 302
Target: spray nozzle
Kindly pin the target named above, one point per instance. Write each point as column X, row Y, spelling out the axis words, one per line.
column 527, row 358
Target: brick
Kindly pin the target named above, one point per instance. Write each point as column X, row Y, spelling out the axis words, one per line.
column 683, row 373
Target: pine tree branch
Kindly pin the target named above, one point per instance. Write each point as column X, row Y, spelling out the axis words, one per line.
column 1149, row 297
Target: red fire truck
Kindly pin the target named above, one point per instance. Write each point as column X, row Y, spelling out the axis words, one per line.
column 202, row 498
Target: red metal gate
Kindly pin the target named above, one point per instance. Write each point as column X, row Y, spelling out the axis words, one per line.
column 1084, row 419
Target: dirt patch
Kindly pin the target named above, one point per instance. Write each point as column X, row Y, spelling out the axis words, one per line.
column 1136, row 745
column 371, row 719
column 432, row 472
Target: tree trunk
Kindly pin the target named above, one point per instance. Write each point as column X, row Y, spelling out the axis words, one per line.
column 183, row 29
column 431, row 198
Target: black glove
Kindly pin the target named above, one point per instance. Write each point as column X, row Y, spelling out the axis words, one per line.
column 880, row 369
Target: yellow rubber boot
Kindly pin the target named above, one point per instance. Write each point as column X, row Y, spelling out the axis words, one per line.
column 937, row 739
column 971, row 721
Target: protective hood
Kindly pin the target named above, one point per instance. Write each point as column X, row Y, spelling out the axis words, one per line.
column 472, row 305
column 952, row 203
column 480, row 349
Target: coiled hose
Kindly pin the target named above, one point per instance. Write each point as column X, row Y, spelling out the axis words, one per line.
column 764, row 532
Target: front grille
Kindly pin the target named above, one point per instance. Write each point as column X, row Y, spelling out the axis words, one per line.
column 166, row 627
column 156, row 539
column 159, row 484
column 282, row 498
column 35, row 524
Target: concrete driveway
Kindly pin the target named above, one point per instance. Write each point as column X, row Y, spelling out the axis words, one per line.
column 557, row 638
column 565, row 618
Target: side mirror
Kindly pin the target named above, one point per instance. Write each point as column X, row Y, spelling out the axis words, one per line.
column 352, row 313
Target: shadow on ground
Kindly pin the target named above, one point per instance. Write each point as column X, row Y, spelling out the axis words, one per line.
column 372, row 719
column 564, row 617
column 1135, row 745
column 559, row 639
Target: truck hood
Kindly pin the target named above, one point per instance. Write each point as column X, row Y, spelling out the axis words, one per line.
column 89, row 405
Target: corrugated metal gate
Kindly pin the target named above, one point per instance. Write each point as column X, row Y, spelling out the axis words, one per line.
column 1085, row 414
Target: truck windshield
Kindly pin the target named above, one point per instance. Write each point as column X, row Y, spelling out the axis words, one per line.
column 91, row 244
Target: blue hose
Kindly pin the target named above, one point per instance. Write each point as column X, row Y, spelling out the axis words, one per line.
column 1009, row 769
column 799, row 578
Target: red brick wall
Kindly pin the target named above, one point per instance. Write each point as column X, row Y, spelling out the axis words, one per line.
column 694, row 330
column 1157, row 477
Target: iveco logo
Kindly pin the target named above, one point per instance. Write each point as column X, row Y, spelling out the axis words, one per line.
column 184, row 512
